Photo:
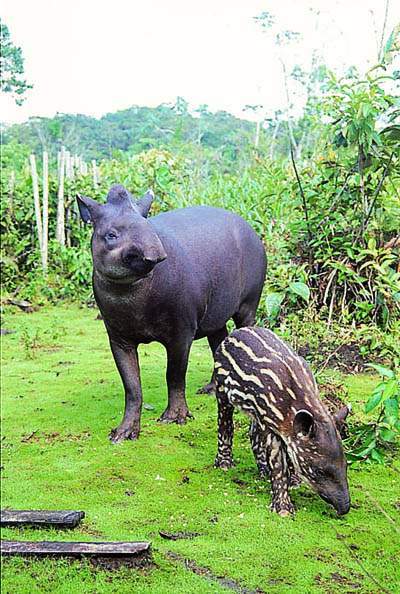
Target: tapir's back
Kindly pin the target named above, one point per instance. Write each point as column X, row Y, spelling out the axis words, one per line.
column 265, row 372
column 201, row 229
column 219, row 255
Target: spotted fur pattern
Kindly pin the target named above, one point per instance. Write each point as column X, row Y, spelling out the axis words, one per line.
column 261, row 375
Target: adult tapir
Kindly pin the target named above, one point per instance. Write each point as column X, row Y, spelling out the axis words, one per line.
column 172, row 278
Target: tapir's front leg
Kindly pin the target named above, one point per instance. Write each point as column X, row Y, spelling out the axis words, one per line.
column 177, row 362
column 128, row 366
column 260, row 442
column 280, row 477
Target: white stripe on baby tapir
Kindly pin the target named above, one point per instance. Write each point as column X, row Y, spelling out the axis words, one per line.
column 247, row 377
column 310, row 382
column 229, row 380
column 232, row 392
column 222, row 371
column 248, row 350
column 276, row 412
column 273, row 376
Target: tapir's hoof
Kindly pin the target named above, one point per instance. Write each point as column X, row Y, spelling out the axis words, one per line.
column 285, row 513
column 207, row 389
column 120, row 434
column 179, row 416
column 224, row 463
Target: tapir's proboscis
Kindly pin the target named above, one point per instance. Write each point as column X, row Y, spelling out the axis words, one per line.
column 261, row 375
column 171, row 278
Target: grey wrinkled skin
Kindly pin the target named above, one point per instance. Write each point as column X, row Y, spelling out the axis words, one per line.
column 171, row 278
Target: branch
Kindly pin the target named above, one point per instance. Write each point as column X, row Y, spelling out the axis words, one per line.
column 304, row 204
column 376, row 194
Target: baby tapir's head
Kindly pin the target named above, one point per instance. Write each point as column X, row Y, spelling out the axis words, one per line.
column 125, row 246
column 315, row 448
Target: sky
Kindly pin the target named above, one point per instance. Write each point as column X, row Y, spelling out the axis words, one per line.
column 98, row 56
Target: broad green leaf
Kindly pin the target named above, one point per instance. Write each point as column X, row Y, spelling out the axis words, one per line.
column 377, row 456
column 373, row 402
column 392, row 408
column 300, row 289
column 382, row 370
column 273, row 302
column 391, row 389
column 387, row 434
column 367, row 450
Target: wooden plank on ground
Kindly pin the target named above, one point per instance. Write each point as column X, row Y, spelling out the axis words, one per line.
column 138, row 552
column 41, row 518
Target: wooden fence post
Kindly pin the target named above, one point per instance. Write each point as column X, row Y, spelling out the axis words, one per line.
column 95, row 174
column 60, row 231
column 36, row 199
column 45, row 241
column 69, row 174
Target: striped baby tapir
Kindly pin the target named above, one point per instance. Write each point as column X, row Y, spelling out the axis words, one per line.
column 292, row 433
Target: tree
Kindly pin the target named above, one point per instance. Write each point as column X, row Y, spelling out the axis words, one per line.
column 12, row 67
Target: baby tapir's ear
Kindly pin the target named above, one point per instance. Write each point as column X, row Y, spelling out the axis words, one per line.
column 340, row 416
column 143, row 205
column 88, row 208
column 303, row 423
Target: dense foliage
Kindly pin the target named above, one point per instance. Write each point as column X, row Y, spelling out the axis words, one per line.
column 134, row 130
column 328, row 214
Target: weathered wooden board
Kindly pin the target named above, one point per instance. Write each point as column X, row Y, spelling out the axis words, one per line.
column 41, row 518
column 138, row 552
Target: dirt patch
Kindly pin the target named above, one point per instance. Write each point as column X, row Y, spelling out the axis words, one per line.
column 36, row 437
column 334, row 395
column 178, row 535
column 337, row 578
column 346, row 358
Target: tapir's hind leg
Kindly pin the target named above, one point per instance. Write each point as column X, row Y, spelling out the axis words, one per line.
column 246, row 315
column 177, row 361
column 214, row 340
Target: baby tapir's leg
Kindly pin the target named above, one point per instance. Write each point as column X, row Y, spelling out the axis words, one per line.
column 280, row 476
column 259, row 440
column 224, row 458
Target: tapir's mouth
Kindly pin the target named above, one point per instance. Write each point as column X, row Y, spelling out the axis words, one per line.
column 128, row 278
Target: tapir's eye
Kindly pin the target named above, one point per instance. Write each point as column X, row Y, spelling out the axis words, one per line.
column 110, row 236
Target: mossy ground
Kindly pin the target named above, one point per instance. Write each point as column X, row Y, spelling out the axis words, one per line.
column 62, row 395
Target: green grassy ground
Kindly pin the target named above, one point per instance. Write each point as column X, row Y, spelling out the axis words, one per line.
column 61, row 396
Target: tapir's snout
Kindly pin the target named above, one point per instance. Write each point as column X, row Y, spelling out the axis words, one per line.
column 342, row 507
column 341, row 504
column 141, row 261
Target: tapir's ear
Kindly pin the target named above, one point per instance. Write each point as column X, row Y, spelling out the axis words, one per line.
column 340, row 416
column 143, row 205
column 88, row 208
column 303, row 423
